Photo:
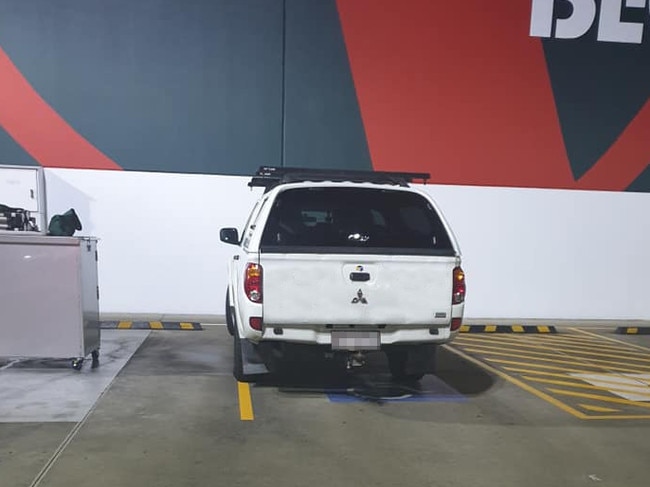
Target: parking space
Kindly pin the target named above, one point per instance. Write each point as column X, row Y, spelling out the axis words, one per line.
column 174, row 415
column 371, row 383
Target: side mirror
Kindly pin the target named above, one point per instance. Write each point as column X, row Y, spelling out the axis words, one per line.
column 229, row 236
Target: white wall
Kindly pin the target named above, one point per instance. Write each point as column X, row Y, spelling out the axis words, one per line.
column 533, row 253
column 528, row 253
column 159, row 251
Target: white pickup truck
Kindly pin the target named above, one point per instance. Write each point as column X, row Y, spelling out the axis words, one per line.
column 345, row 263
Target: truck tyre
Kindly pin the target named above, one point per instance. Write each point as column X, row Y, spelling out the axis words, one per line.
column 230, row 320
column 407, row 365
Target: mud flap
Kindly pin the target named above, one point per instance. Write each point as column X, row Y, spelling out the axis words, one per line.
column 252, row 361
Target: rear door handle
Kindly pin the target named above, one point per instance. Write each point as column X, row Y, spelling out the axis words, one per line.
column 359, row 276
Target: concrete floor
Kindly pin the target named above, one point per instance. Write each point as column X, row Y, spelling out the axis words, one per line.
column 171, row 417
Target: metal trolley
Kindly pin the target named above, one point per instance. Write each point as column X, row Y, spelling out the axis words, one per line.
column 49, row 297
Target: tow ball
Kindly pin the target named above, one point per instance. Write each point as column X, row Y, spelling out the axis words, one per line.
column 355, row 359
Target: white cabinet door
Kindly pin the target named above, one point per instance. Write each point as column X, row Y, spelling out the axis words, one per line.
column 19, row 188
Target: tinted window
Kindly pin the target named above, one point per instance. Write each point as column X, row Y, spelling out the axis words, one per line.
column 355, row 219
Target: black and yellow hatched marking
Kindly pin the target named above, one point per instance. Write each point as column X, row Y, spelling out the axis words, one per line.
column 507, row 329
column 633, row 330
column 150, row 325
column 555, row 367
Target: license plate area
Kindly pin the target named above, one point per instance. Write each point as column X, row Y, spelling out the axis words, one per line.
column 355, row 340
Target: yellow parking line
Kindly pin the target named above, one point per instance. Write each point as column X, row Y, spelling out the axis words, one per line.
column 547, row 367
column 614, row 340
column 123, row 325
column 592, row 363
column 598, row 409
column 537, row 372
column 567, row 339
column 519, row 345
column 630, row 416
column 579, row 385
column 245, row 402
column 545, row 338
column 605, row 347
column 502, row 350
column 613, row 400
column 523, row 385
column 640, row 384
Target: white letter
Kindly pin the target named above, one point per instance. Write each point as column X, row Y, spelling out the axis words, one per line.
column 541, row 18
column 611, row 29
column 583, row 15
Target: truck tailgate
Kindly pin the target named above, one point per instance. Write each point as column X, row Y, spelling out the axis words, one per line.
column 356, row 289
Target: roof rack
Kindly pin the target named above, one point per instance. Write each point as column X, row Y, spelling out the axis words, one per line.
column 270, row 176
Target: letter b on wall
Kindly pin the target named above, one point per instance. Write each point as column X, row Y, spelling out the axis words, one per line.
column 576, row 25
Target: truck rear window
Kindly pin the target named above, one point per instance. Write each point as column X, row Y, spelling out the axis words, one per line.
column 354, row 220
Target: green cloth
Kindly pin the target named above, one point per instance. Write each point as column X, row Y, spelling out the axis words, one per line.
column 64, row 225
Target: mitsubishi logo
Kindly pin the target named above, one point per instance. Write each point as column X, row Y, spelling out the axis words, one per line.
column 359, row 298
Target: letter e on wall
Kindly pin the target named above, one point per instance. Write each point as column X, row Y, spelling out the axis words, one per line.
column 612, row 29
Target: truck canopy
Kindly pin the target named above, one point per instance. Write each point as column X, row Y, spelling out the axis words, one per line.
column 355, row 220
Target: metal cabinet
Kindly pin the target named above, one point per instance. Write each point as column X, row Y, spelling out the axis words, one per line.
column 49, row 297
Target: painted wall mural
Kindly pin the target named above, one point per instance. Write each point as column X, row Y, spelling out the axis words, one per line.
column 521, row 93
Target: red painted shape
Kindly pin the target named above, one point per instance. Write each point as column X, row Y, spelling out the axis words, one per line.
column 38, row 129
column 461, row 90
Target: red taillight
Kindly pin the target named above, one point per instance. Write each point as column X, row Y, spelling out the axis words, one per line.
column 458, row 289
column 253, row 282
column 255, row 322
column 455, row 323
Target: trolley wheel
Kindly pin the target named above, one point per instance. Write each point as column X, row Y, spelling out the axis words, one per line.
column 77, row 363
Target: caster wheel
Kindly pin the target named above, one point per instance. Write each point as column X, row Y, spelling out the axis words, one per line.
column 77, row 363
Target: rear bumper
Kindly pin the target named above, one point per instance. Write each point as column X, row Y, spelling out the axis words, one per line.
column 388, row 336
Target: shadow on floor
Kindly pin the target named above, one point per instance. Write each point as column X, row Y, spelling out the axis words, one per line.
column 453, row 379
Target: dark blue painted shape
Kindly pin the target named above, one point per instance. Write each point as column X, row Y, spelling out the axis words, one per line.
column 323, row 125
column 642, row 183
column 12, row 154
column 161, row 85
column 599, row 87
column 168, row 85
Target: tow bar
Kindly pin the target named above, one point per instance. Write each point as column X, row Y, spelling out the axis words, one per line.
column 355, row 359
